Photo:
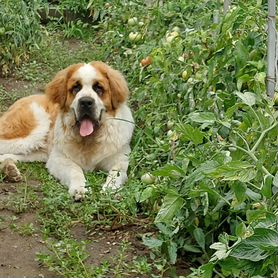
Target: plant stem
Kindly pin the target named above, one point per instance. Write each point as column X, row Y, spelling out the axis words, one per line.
column 253, row 157
column 262, row 136
column 243, row 139
column 254, row 112
column 83, row 266
column 219, row 274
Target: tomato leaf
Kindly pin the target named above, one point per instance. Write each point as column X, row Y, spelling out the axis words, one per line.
column 200, row 237
column 235, row 170
column 263, row 243
column 172, row 203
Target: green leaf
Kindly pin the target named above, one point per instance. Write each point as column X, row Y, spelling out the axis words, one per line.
column 269, row 220
column 191, row 134
column 172, row 203
column 172, row 171
column 204, row 169
column 260, row 77
column 240, row 229
column 235, row 170
column 172, row 252
column 146, row 194
column 262, row 244
column 200, row 237
column 241, row 54
column 202, row 117
column 166, row 230
column 191, row 248
column 267, row 186
column 275, row 180
column 239, row 190
column 253, row 195
column 152, row 242
column 247, row 98
column 255, row 215
column 231, row 110
column 207, row 270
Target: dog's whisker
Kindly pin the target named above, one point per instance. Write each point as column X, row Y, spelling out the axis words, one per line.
column 120, row 119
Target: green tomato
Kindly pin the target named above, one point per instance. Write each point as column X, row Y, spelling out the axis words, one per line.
column 156, row 130
column 2, row 31
column 148, row 178
column 184, row 74
column 170, row 124
column 275, row 99
column 176, row 29
column 134, row 36
column 132, row 21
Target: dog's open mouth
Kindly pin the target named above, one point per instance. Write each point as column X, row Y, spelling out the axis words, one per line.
column 87, row 127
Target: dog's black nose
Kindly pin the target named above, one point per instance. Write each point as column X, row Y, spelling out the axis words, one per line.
column 86, row 102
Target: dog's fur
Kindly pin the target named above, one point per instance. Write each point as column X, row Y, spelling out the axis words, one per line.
column 81, row 123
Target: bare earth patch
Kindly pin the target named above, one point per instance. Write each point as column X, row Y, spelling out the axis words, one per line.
column 18, row 252
column 18, row 249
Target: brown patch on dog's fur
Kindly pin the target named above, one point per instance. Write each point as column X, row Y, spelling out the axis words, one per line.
column 116, row 85
column 58, row 90
column 19, row 121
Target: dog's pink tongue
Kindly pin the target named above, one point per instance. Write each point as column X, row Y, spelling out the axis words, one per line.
column 86, row 128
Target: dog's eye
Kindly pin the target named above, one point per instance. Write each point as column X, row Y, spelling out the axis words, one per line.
column 76, row 88
column 98, row 89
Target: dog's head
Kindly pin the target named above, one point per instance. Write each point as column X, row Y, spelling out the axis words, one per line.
column 88, row 90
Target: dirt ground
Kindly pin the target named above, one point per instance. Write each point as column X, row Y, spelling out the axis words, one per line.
column 18, row 252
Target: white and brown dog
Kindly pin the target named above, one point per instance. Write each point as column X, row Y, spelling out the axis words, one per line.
column 81, row 123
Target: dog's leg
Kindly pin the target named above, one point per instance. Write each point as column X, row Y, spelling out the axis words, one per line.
column 69, row 174
column 117, row 166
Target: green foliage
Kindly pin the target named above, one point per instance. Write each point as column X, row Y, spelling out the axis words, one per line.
column 215, row 165
column 19, row 32
column 69, row 260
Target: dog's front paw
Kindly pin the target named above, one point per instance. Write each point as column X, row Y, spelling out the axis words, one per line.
column 111, row 186
column 78, row 192
column 114, row 181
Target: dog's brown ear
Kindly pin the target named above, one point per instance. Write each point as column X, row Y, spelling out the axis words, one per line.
column 118, row 85
column 119, row 88
column 56, row 89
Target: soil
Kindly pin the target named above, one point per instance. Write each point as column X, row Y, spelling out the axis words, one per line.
column 18, row 251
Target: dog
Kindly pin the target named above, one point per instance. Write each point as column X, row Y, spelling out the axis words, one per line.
column 81, row 123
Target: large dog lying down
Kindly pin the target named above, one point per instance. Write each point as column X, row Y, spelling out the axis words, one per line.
column 82, row 122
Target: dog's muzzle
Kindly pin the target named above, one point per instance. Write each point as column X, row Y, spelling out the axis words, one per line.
column 87, row 119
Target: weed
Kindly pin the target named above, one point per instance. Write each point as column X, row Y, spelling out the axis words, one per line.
column 20, row 31
column 27, row 229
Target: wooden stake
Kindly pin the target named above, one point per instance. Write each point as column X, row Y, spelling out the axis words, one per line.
column 227, row 4
column 271, row 50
